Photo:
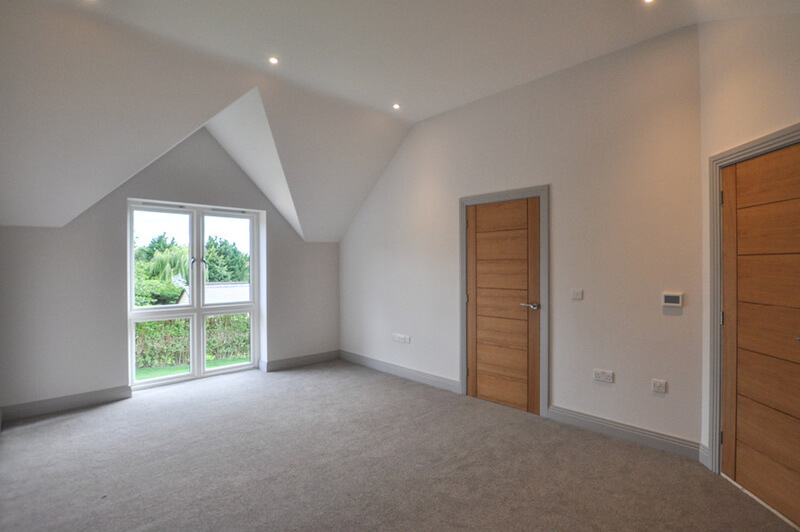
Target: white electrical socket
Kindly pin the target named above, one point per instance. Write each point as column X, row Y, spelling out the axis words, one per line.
column 659, row 386
column 603, row 375
column 401, row 338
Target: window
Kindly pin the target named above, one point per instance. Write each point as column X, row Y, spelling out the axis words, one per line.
column 192, row 290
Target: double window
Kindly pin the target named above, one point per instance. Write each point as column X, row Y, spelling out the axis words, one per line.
column 193, row 291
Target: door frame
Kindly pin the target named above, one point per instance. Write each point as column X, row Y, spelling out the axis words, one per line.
column 543, row 193
column 775, row 141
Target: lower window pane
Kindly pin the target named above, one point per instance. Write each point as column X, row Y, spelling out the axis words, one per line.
column 162, row 348
column 227, row 340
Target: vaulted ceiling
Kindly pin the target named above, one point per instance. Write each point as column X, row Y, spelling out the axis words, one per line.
column 93, row 91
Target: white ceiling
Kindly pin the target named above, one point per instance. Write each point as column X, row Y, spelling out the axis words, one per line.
column 85, row 104
column 93, row 91
column 429, row 55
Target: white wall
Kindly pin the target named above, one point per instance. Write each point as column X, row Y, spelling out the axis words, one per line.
column 617, row 138
column 63, row 291
column 750, row 87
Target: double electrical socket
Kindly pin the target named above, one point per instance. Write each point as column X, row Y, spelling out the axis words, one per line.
column 401, row 338
column 603, row 375
column 607, row 375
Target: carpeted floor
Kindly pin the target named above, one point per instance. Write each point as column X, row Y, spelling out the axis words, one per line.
column 340, row 447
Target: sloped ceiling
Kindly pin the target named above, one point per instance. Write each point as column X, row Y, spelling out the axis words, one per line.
column 430, row 55
column 85, row 104
column 93, row 91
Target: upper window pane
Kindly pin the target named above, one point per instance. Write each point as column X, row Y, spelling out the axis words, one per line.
column 161, row 258
column 227, row 260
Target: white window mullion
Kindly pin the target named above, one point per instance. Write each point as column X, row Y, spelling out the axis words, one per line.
column 197, row 290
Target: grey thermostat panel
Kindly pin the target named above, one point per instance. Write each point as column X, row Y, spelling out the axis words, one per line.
column 672, row 299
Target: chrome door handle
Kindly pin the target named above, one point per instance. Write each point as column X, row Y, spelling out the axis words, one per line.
column 535, row 306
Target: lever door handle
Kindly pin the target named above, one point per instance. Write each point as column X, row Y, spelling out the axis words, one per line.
column 534, row 306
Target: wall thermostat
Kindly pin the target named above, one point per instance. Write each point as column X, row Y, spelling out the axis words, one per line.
column 672, row 299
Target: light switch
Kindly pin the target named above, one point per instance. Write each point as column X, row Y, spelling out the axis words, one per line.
column 577, row 294
column 672, row 299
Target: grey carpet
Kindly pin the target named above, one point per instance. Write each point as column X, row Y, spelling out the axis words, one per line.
column 340, row 447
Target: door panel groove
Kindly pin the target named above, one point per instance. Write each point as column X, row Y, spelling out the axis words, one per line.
column 502, row 245
column 770, row 380
column 785, row 200
column 509, row 377
column 794, row 253
column 501, row 231
column 765, row 405
column 770, row 431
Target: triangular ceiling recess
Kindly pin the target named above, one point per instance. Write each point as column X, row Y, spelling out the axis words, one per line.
column 242, row 129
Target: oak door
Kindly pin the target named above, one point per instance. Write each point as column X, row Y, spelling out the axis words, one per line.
column 761, row 330
column 503, row 311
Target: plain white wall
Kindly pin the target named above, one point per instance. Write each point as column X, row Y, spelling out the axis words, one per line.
column 63, row 291
column 750, row 87
column 617, row 138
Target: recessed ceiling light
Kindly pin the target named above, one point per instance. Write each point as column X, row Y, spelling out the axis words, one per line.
column 396, row 106
column 648, row 1
column 273, row 60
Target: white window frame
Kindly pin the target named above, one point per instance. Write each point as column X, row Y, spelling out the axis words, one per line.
column 197, row 311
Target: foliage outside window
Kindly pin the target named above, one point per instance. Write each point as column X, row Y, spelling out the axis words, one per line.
column 227, row 339
column 164, row 344
column 162, row 268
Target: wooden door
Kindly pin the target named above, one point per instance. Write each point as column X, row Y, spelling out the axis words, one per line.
column 502, row 286
column 761, row 331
